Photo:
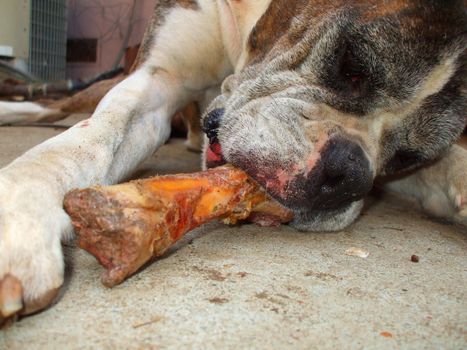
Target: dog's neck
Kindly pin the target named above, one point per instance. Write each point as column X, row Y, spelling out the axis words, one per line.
column 237, row 20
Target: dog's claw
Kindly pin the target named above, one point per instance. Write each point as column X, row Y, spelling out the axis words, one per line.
column 462, row 214
column 11, row 300
column 11, row 294
column 458, row 196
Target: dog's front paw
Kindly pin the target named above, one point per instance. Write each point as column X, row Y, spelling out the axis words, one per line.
column 458, row 197
column 457, row 191
column 31, row 262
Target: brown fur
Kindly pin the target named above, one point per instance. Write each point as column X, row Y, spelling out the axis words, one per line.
column 274, row 24
column 86, row 101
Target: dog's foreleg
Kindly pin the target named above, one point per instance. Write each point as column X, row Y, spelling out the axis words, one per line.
column 441, row 188
column 128, row 125
column 185, row 56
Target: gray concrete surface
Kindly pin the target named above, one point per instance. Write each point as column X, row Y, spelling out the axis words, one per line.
column 258, row 288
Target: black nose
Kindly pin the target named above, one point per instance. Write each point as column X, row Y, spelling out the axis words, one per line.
column 211, row 124
column 345, row 174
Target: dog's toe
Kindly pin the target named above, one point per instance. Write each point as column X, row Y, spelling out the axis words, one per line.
column 462, row 213
column 458, row 195
column 31, row 260
column 14, row 302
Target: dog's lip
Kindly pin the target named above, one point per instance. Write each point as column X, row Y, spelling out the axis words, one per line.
column 320, row 211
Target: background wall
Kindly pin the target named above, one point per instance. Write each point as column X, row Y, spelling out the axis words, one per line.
column 14, row 28
column 107, row 21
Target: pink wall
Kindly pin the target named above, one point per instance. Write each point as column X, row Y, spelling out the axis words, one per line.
column 108, row 21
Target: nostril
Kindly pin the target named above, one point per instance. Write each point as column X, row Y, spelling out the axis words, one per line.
column 211, row 123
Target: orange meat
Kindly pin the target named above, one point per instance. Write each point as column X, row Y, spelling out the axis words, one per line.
column 124, row 226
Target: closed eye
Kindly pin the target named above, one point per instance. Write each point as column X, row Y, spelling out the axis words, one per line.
column 352, row 75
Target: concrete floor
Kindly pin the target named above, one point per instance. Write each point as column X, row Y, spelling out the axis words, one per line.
column 261, row 288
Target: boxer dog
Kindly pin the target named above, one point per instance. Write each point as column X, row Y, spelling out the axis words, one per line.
column 316, row 100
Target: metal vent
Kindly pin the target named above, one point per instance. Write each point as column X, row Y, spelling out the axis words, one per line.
column 47, row 47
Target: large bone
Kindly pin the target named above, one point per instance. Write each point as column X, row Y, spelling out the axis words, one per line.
column 124, row 226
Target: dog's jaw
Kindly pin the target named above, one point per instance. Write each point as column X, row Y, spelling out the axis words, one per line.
column 327, row 220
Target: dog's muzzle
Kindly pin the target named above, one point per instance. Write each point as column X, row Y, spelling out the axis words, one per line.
column 340, row 176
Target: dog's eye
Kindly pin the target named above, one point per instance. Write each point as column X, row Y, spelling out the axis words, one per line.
column 353, row 77
column 352, row 73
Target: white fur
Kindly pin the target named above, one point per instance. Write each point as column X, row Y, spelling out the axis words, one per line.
column 190, row 47
column 238, row 19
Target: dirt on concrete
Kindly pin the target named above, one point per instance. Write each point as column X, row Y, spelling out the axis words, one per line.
column 264, row 288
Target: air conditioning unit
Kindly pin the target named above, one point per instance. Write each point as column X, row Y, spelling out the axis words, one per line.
column 33, row 34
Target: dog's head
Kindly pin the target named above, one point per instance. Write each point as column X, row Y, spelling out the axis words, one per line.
column 331, row 97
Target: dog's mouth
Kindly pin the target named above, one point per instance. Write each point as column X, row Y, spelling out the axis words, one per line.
column 306, row 219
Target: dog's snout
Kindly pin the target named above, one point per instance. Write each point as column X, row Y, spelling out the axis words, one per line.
column 346, row 174
column 336, row 175
column 211, row 124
